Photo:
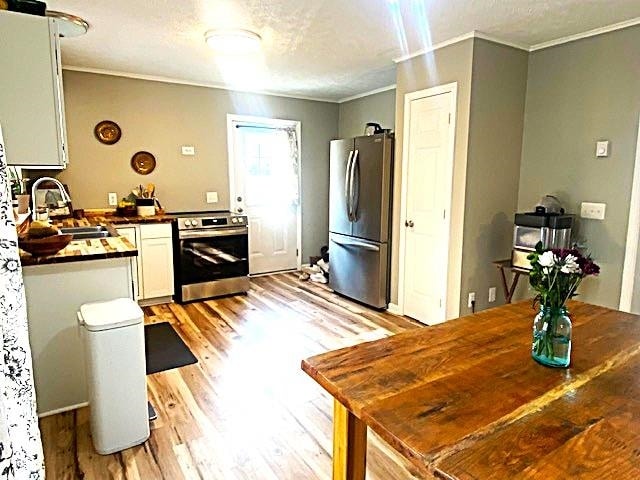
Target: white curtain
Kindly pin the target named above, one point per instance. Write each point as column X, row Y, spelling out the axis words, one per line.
column 294, row 156
column 20, row 446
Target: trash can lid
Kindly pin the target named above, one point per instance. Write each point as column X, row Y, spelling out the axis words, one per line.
column 117, row 313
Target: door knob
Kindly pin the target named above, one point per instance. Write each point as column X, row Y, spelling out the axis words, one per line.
column 239, row 209
column 239, row 199
column 408, row 223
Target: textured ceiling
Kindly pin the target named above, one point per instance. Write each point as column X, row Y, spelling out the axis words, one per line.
column 327, row 49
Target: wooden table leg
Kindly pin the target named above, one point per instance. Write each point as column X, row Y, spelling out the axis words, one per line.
column 514, row 284
column 509, row 290
column 349, row 444
column 505, row 286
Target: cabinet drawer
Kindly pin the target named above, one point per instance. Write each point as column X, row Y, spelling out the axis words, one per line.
column 158, row 230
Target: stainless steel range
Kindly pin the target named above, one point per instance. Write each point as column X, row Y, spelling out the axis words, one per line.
column 211, row 255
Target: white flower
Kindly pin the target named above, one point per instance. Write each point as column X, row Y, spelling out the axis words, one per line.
column 547, row 259
column 570, row 265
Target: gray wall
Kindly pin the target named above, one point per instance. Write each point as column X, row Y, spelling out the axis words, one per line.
column 499, row 80
column 446, row 65
column 160, row 117
column 579, row 93
column 379, row 108
column 491, row 97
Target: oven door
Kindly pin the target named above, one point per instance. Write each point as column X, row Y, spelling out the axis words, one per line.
column 214, row 254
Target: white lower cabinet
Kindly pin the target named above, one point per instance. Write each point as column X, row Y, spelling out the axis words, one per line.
column 153, row 268
column 131, row 234
column 157, row 267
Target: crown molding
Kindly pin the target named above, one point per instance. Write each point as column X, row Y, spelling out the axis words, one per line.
column 177, row 81
column 491, row 38
column 539, row 46
column 432, row 48
column 458, row 39
column 366, row 94
column 473, row 34
column 590, row 33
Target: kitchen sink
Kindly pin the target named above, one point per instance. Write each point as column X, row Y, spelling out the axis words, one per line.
column 84, row 233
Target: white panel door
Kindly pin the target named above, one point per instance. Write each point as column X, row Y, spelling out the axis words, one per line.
column 428, row 199
column 157, row 267
column 265, row 189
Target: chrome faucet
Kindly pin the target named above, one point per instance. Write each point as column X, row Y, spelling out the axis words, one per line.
column 63, row 193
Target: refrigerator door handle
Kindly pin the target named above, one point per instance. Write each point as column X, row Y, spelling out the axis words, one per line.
column 351, row 186
column 354, row 243
column 347, row 176
column 355, row 194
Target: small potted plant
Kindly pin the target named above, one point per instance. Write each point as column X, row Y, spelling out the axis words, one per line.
column 556, row 276
column 19, row 190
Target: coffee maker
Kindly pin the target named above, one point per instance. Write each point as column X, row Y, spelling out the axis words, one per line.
column 547, row 224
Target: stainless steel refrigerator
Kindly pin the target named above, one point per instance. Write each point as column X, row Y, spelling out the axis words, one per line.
column 360, row 195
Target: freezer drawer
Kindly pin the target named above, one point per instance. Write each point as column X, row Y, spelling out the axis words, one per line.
column 360, row 270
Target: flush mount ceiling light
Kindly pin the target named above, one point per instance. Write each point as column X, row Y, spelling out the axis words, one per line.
column 69, row 25
column 233, row 42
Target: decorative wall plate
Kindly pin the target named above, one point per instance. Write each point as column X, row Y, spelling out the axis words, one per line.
column 107, row 132
column 143, row 163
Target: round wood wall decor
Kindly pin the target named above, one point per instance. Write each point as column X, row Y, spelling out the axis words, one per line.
column 107, row 132
column 143, row 163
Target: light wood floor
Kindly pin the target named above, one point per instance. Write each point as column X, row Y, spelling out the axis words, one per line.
column 245, row 410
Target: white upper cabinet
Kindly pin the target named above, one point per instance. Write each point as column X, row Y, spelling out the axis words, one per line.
column 31, row 96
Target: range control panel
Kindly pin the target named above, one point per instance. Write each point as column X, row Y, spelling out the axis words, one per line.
column 222, row 221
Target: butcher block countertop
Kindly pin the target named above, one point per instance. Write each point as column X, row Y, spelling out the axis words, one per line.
column 85, row 250
column 465, row 400
column 109, row 219
column 98, row 248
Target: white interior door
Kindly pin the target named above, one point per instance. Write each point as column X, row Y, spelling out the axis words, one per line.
column 429, row 174
column 265, row 188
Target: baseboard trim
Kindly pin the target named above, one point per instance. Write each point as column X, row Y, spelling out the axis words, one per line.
column 148, row 302
column 63, row 409
column 394, row 308
column 266, row 274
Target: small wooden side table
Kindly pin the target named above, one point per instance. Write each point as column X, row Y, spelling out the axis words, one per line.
column 509, row 290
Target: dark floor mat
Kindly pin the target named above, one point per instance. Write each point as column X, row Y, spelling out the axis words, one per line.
column 164, row 349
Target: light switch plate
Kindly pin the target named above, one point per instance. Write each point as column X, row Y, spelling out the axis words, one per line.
column 602, row 148
column 188, row 150
column 212, row 197
column 593, row 211
column 113, row 199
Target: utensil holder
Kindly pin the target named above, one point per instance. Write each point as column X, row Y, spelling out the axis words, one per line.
column 146, row 207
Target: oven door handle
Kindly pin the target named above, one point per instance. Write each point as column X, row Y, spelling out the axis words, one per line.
column 212, row 233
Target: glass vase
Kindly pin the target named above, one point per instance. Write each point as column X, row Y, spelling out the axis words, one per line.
column 552, row 337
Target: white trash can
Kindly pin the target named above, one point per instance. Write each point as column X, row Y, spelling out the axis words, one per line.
column 116, row 369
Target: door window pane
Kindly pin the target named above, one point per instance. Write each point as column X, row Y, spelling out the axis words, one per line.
column 271, row 179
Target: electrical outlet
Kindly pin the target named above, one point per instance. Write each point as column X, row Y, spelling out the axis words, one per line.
column 472, row 298
column 492, row 294
column 113, row 199
column 594, row 211
column 212, row 197
column 188, row 150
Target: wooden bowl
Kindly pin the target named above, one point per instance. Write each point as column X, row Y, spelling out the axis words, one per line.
column 41, row 247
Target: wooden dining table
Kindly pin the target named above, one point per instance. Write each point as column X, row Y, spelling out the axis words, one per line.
column 465, row 400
